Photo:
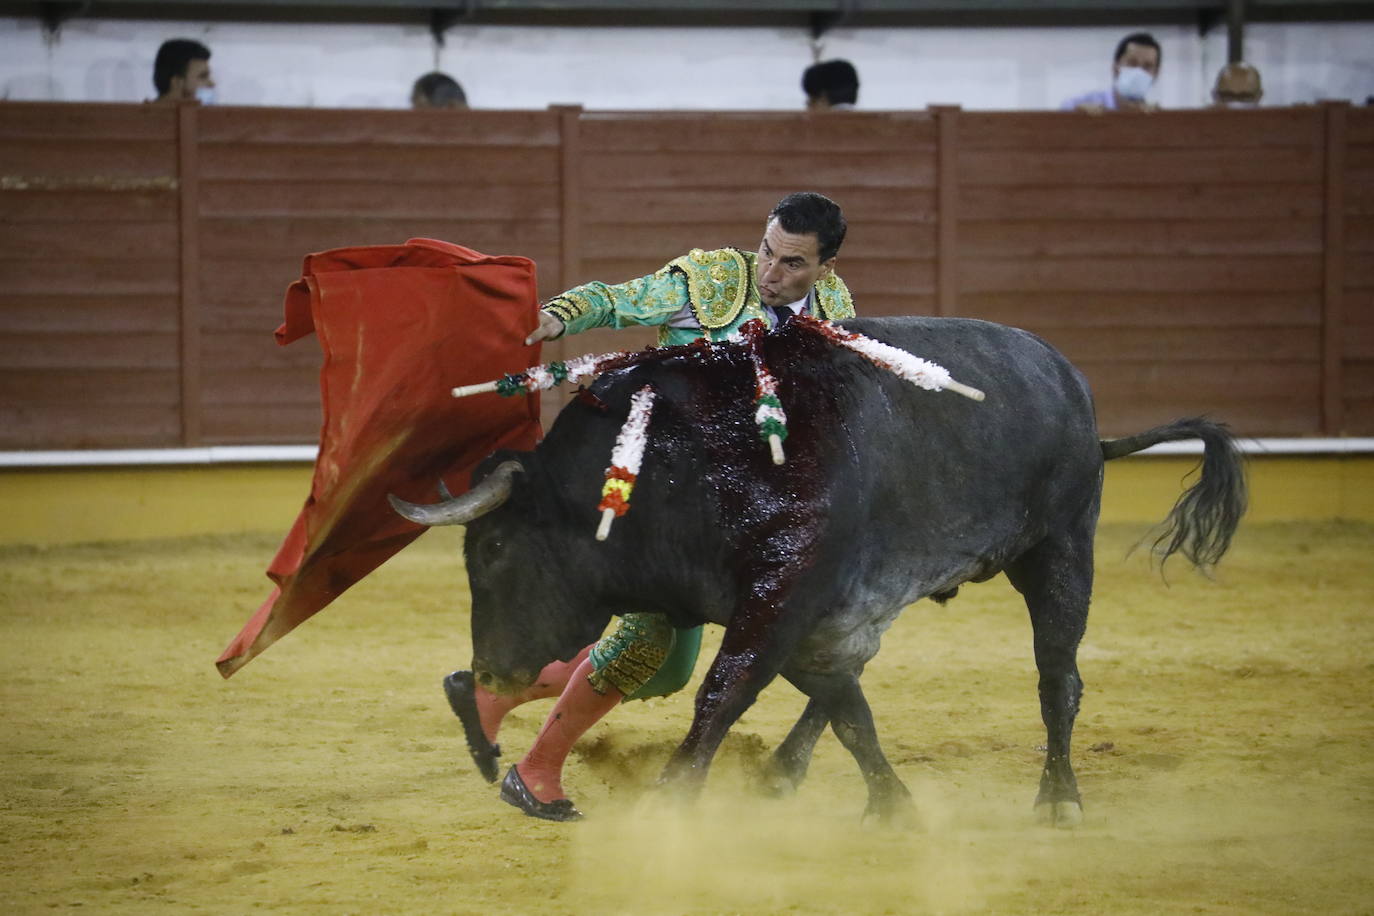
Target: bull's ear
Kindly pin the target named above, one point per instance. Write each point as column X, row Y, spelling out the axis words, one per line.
column 488, row 494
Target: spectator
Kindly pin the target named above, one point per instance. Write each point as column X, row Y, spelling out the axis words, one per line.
column 181, row 72
column 1238, row 86
column 1134, row 70
column 437, row 90
column 831, row 85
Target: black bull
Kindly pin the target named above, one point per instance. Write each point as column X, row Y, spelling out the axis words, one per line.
column 889, row 494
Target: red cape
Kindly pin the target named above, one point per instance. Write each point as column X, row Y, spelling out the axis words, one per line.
column 400, row 325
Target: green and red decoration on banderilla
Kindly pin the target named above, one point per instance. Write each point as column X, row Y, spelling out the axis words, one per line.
column 769, row 415
column 540, row 378
column 626, row 458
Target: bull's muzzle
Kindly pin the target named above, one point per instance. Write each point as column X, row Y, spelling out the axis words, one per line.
column 494, row 683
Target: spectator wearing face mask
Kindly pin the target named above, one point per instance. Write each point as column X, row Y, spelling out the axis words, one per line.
column 1238, row 86
column 181, row 72
column 1134, row 70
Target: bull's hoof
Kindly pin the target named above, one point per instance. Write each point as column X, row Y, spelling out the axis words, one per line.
column 776, row 781
column 515, row 792
column 896, row 811
column 1063, row 814
column 462, row 699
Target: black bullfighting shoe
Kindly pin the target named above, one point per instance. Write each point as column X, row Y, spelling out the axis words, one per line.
column 515, row 792
column 462, row 698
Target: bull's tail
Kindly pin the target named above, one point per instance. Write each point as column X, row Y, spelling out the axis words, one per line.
column 1206, row 515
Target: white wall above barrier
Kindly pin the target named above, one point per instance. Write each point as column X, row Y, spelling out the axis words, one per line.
column 341, row 65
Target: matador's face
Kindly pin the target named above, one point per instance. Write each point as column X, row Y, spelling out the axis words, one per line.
column 789, row 265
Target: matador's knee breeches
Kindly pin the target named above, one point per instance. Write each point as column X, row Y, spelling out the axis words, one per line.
column 644, row 657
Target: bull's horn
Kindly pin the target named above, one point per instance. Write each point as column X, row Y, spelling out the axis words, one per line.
column 459, row 510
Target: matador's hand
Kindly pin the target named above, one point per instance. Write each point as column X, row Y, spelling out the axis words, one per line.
column 549, row 328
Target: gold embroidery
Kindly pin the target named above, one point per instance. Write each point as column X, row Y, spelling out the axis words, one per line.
column 833, row 298
column 718, row 284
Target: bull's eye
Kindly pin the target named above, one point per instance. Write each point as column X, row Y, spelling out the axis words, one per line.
column 490, row 550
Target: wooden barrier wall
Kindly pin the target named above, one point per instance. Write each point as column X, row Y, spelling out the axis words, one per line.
column 1188, row 262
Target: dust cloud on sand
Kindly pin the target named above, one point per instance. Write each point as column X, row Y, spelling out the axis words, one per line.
column 1225, row 751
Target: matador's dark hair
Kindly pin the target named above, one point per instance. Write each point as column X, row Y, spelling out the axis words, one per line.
column 809, row 213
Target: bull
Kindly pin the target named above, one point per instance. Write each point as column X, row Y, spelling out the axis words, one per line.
column 889, row 494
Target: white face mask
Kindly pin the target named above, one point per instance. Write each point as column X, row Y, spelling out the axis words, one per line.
column 1133, row 82
column 1237, row 103
column 205, row 95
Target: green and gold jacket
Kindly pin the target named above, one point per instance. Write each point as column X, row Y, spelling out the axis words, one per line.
column 719, row 286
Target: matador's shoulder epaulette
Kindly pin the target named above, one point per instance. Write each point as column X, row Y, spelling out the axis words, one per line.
column 719, row 283
column 834, row 299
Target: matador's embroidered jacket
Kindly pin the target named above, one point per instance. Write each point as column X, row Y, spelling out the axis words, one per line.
column 701, row 294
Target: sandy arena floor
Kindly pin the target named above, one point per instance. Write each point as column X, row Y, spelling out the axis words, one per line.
column 1225, row 752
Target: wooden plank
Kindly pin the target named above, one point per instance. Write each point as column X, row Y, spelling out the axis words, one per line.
column 1359, row 383
column 266, row 387
column 91, row 159
column 1040, row 130
column 1359, row 273
column 1185, row 345
column 1359, row 416
column 662, row 242
column 1333, row 271
column 319, row 163
column 41, row 313
column 41, row 389
column 86, row 426
column 724, row 132
column 1359, row 199
column 872, row 305
column 270, row 238
column 251, row 424
column 63, row 277
column 1163, row 275
column 1245, row 419
column 86, row 122
column 1359, row 235
column 947, row 193
column 631, row 206
column 132, row 240
column 87, row 206
column 347, row 127
column 1139, row 167
column 339, row 199
column 1359, row 343
column 687, row 169
column 1294, row 383
column 1185, row 201
column 1121, row 309
column 258, row 351
column 1359, row 307
column 1139, row 235
column 1360, row 126
column 571, row 242
column 91, row 350
column 188, row 225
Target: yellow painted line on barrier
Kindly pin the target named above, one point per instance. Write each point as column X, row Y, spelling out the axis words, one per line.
column 75, row 505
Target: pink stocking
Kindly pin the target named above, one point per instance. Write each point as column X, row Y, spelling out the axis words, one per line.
column 492, row 707
column 578, row 709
